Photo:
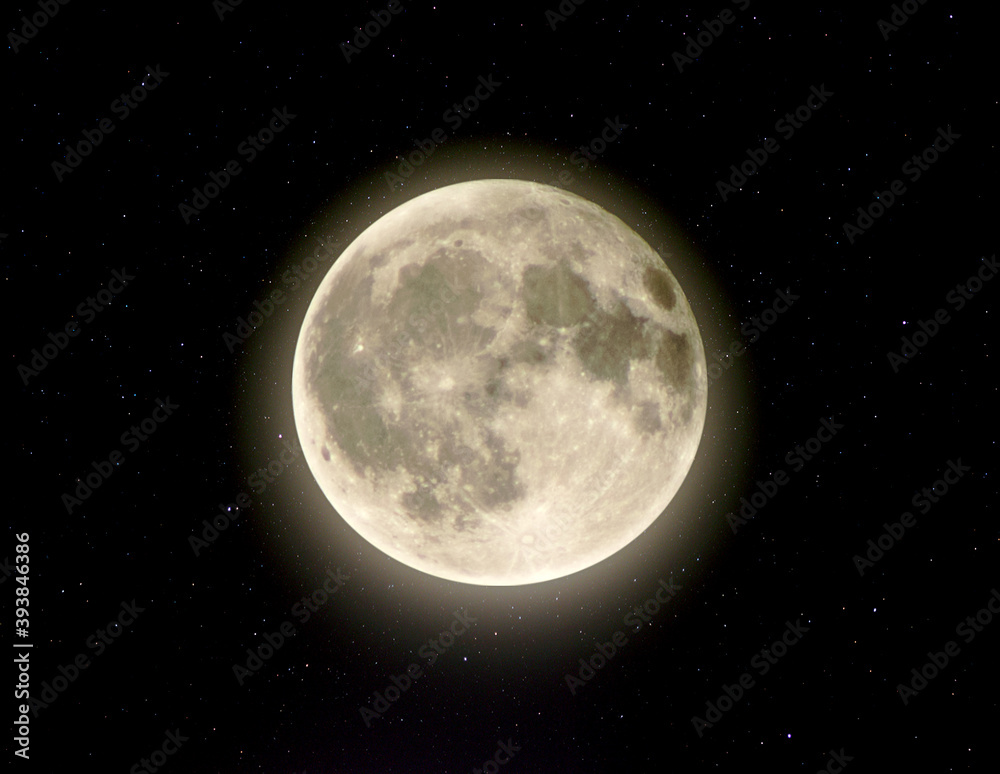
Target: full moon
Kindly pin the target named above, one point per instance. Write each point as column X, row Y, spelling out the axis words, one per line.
column 499, row 383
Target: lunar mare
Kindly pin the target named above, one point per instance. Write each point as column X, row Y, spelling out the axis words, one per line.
column 499, row 383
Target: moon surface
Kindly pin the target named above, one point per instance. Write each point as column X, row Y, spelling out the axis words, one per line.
column 499, row 383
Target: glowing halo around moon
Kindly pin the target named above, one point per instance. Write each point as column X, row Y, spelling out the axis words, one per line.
column 499, row 383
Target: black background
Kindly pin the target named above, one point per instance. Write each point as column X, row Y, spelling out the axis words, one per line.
column 324, row 177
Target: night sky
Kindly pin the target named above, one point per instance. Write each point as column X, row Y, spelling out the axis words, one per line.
column 167, row 169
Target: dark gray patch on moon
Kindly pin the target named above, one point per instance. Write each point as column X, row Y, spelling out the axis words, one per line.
column 606, row 343
column 531, row 214
column 675, row 359
column 483, row 398
column 532, row 352
column 556, row 295
column 436, row 310
column 338, row 381
column 496, row 482
column 647, row 419
column 563, row 251
column 660, row 287
column 676, row 362
column 422, row 504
